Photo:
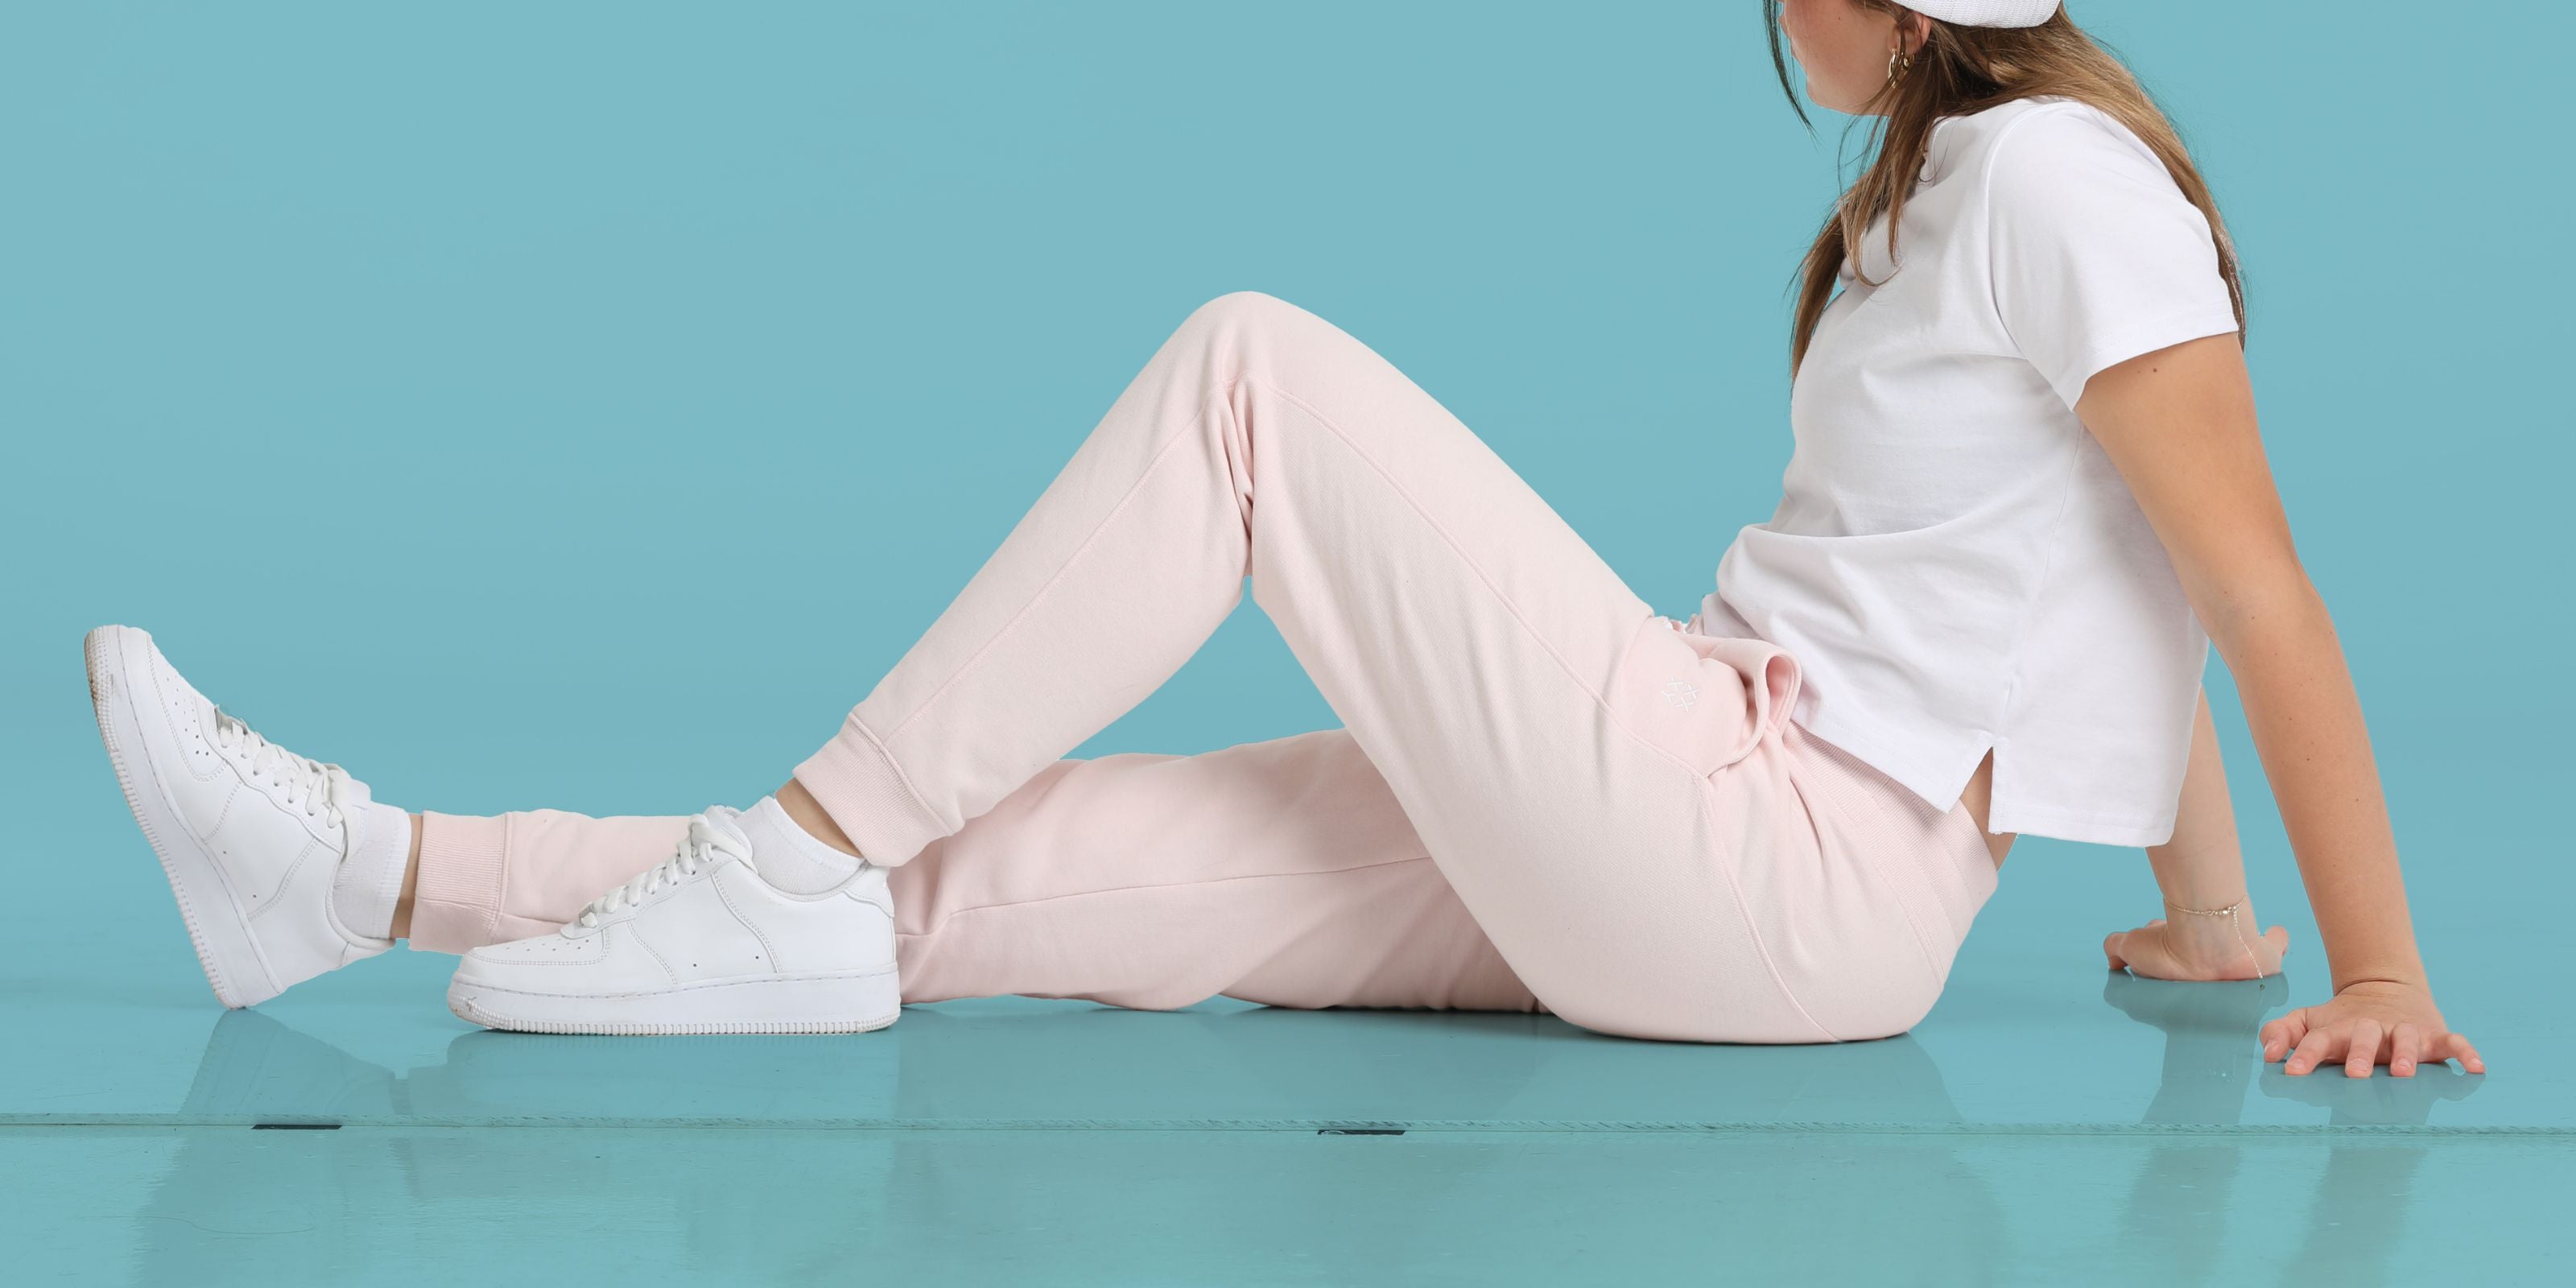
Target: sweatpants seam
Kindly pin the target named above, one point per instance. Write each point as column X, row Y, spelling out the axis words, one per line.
column 1214, row 395
column 1905, row 898
column 954, row 913
column 1460, row 551
column 501, row 883
column 1753, row 933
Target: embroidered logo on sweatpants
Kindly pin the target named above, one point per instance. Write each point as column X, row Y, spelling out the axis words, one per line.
column 1681, row 693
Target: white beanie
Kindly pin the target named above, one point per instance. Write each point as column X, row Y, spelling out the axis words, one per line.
column 1987, row 13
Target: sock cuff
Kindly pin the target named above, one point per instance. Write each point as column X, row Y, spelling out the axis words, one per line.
column 789, row 857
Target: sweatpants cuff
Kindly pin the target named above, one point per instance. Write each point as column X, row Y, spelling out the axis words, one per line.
column 456, row 904
column 856, row 781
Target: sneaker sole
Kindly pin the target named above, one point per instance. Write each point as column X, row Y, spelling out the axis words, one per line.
column 844, row 1003
column 234, row 968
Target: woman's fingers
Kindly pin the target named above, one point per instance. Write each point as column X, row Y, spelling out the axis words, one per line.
column 2452, row 1046
column 2316, row 1047
column 2363, row 1051
column 2405, row 1043
column 2364, row 1030
column 2282, row 1034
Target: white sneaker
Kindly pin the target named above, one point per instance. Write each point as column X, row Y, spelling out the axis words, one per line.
column 699, row 943
column 249, row 833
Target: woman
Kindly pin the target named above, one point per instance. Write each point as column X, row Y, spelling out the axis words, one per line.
column 2027, row 479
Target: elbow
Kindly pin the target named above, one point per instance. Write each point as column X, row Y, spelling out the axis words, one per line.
column 2261, row 605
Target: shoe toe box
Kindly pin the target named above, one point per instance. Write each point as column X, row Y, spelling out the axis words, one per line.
column 175, row 721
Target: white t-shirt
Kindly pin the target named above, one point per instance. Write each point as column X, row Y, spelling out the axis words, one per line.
column 1955, row 563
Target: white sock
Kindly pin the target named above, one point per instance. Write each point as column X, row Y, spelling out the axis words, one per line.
column 369, row 882
column 787, row 856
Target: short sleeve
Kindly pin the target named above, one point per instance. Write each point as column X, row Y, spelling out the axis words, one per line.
column 2096, row 254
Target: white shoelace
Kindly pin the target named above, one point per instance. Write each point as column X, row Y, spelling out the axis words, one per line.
column 702, row 849
column 320, row 790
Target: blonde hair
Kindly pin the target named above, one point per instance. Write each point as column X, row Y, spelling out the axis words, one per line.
column 1963, row 69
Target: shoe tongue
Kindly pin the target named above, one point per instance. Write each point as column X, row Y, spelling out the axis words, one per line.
column 727, row 834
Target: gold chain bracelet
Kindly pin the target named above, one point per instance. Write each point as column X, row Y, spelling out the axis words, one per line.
column 2228, row 912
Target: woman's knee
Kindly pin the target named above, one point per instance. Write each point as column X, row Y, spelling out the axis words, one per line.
column 1259, row 334
column 1243, row 308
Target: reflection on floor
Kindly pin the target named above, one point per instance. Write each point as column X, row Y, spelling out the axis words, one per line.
column 1018, row 1141
column 1114, row 1207
column 1023, row 1063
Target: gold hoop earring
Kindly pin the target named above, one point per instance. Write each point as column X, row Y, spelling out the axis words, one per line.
column 1899, row 62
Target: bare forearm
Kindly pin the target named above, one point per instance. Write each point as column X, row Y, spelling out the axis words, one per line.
column 2208, row 930
column 2202, row 865
column 2307, row 725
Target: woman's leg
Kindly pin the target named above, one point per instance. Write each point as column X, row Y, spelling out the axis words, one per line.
column 1281, row 872
column 1621, row 807
column 488, row 880
column 1551, row 739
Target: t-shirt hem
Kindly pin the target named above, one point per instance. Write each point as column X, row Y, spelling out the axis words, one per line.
column 2002, row 814
column 1909, row 773
column 2071, row 825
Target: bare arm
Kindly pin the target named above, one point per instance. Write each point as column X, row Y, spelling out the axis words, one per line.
column 2179, row 423
column 2201, row 867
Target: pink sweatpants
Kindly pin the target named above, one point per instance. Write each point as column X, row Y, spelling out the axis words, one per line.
column 1545, row 795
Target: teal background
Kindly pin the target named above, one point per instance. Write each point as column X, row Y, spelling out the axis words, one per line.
column 580, row 405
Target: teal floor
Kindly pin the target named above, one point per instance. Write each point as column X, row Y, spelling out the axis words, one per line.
column 2049, row 1122
column 361, row 1134
column 1148, row 1205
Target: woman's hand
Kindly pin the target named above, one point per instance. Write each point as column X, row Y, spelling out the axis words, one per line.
column 2197, row 948
column 2370, row 1022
